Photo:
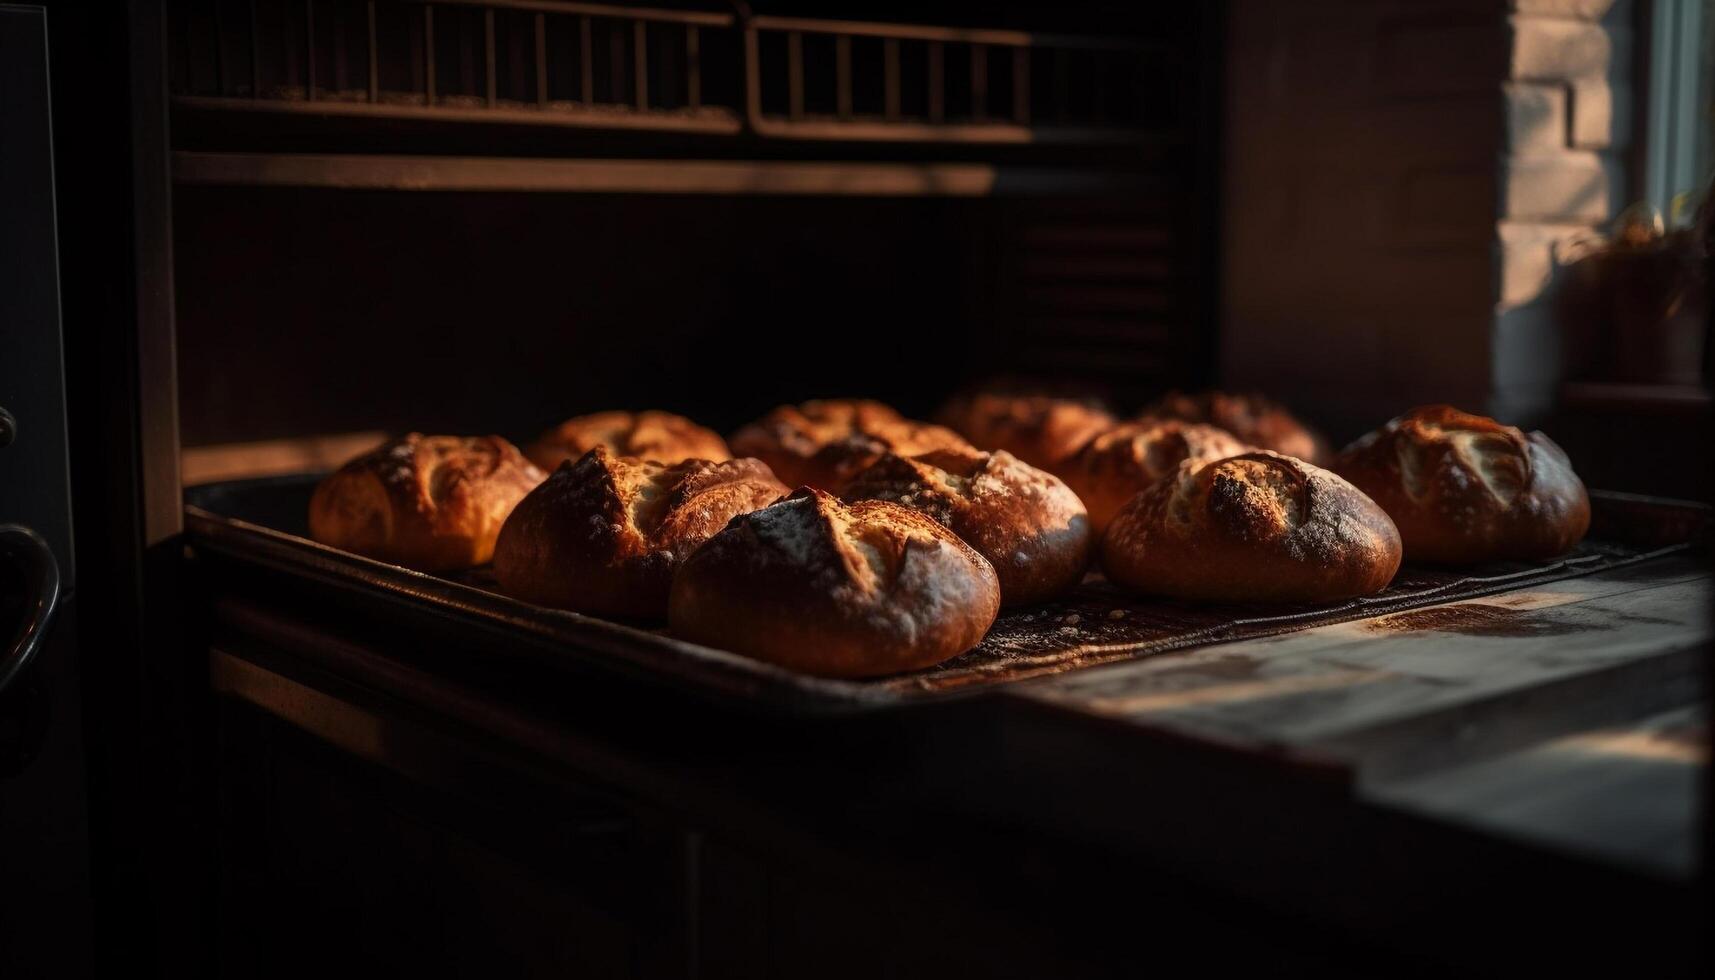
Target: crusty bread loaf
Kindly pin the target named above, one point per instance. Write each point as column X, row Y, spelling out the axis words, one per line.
column 604, row 535
column 661, row 436
column 431, row 503
column 1117, row 464
column 1029, row 526
column 813, row 585
column 1255, row 527
column 824, row 443
column 1037, row 429
column 1465, row 488
column 1254, row 419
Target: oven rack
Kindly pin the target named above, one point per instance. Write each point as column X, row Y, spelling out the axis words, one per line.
column 710, row 73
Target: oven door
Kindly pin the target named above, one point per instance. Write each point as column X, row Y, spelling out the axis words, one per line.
column 45, row 908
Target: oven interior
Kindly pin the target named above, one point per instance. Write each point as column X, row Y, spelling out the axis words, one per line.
column 488, row 217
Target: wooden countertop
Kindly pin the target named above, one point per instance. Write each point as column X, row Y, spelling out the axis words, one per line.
column 1571, row 713
column 1539, row 748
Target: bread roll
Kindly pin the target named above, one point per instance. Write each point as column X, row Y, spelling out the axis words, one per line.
column 1255, row 527
column 1255, row 420
column 431, row 503
column 1116, row 464
column 816, row 586
column 824, row 443
column 1039, row 430
column 1465, row 488
column 1029, row 526
column 604, row 535
column 661, row 436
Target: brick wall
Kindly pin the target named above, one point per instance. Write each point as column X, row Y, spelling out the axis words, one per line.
column 1568, row 107
column 1397, row 172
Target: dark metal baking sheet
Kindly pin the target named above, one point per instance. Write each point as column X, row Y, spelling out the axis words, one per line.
column 261, row 522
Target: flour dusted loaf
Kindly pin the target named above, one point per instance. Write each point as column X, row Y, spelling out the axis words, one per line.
column 604, row 535
column 1464, row 488
column 1028, row 524
column 824, row 443
column 1253, row 419
column 817, row 586
column 432, row 503
column 1039, row 430
column 1117, row 464
column 661, row 436
column 1259, row 526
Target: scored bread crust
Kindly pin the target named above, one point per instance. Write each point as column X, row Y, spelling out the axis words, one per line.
column 1252, row 418
column 1465, row 489
column 824, row 443
column 1259, row 526
column 816, row 586
column 604, row 534
column 1039, row 430
column 433, row 503
column 661, row 436
column 1117, row 464
column 1029, row 526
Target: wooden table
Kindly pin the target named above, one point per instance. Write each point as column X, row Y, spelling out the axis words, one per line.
column 1500, row 784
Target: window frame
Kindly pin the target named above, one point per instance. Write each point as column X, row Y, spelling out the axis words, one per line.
column 1671, row 110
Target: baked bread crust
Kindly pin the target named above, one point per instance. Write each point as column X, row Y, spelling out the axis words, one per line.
column 1252, row 418
column 432, row 503
column 1117, row 464
column 604, row 534
column 1260, row 526
column 1465, row 489
column 1037, row 429
column 817, row 586
column 824, row 443
column 1028, row 524
column 661, row 436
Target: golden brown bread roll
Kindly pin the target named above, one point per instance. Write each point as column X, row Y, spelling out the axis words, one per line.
column 661, row 436
column 1255, row 420
column 1465, row 488
column 426, row 502
column 1037, row 429
column 1029, row 526
column 1256, row 527
column 604, row 534
column 824, row 443
column 1117, row 464
column 811, row 584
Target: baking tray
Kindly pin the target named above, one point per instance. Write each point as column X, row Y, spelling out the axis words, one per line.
column 262, row 523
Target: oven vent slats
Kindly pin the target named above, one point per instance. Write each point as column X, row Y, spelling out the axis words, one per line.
column 513, row 61
column 1103, row 293
column 561, row 63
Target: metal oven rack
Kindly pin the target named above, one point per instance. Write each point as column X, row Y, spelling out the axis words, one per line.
column 561, row 63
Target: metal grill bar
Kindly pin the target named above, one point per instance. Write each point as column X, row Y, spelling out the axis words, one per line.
column 429, row 53
column 640, row 63
column 937, row 83
column 795, row 74
column 586, row 61
column 488, row 53
column 890, row 79
column 310, row 49
column 616, row 62
column 843, row 76
column 979, row 81
column 1021, row 86
column 693, row 68
column 219, row 52
column 374, row 59
column 541, row 60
